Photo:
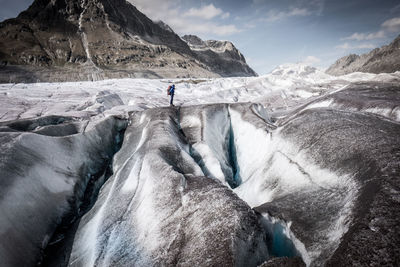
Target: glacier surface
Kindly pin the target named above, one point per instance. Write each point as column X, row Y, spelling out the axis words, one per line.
column 295, row 163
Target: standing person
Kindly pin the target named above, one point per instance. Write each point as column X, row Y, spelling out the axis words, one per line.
column 171, row 92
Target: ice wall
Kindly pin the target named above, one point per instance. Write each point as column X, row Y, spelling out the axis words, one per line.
column 45, row 166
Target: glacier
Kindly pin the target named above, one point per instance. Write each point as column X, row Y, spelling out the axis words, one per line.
column 295, row 164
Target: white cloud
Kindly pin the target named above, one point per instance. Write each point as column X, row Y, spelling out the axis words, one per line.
column 164, row 8
column 344, row 46
column 205, row 12
column 275, row 15
column 299, row 12
column 226, row 15
column 224, row 30
column 192, row 21
column 365, row 46
column 316, row 6
column 298, row 8
column 365, row 36
column 250, row 25
column 311, row 60
column 204, row 28
column 347, row 46
column 392, row 25
column 258, row 2
column 395, row 9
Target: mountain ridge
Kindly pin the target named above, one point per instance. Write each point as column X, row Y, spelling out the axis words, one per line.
column 385, row 59
column 88, row 40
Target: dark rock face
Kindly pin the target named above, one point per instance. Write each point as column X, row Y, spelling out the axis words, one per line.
column 104, row 38
column 380, row 60
column 164, row 26
column 222, row 56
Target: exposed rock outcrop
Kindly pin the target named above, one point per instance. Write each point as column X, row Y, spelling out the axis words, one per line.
column 380, row 60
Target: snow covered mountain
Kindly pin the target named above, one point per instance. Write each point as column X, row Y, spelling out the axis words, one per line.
column 95, row 39
column 380, row 60
column 106, row 174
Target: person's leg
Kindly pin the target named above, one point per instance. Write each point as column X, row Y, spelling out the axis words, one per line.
column 172, row 99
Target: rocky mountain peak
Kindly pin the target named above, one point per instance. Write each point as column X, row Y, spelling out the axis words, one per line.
column 193, row 40
column 218, row 47
column 165, row 26
column 117, row 16
column 221, row 46
column 223, row 56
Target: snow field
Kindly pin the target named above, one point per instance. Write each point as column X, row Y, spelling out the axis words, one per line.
column 83, row 99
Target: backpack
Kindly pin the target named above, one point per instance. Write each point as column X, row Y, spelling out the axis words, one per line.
column 169, row 90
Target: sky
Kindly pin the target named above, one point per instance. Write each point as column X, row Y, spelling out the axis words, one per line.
column 274, row 32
